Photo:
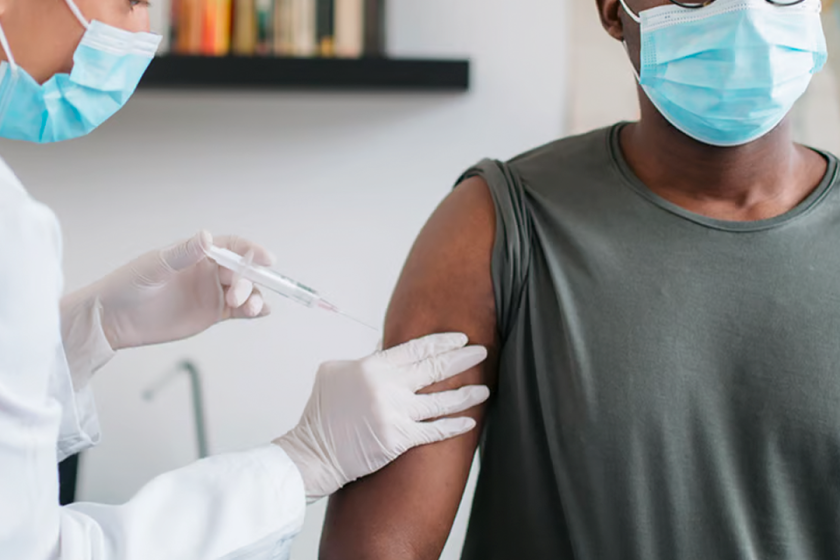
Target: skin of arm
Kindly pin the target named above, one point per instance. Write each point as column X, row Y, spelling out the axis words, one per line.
column 406, row 510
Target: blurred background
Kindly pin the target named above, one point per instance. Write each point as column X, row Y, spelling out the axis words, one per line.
column 337, row 184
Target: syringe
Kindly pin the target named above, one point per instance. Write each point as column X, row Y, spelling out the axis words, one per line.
column 275, row 282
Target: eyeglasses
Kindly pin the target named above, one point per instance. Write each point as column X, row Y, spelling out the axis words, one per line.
column 697, row 5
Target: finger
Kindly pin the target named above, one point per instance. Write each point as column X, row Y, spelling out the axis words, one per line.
column 440, row 430
column 254, row 308
column 423, row 348
column 226, row 276
column 447, row 403
column 444, row 366
column 247, row 259
column 240, row 246
column 187, row 253
column 238, row 293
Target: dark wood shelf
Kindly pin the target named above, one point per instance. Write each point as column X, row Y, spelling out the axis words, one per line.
column 323, row 74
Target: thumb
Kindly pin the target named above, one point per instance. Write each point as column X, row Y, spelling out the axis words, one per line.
column 187, row 253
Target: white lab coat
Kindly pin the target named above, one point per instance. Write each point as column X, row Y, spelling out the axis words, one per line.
column 241, row 505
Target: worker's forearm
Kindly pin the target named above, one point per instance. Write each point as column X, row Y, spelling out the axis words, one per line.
column 85, row 344
column 249, row 504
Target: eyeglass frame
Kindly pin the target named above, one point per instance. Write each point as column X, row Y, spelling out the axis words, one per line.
column 695, row 6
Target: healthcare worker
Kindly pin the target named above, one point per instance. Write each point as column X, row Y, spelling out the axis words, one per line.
column 67, row 68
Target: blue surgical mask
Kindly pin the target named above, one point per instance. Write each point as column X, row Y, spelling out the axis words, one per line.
column 107, row 66
column 728, row 73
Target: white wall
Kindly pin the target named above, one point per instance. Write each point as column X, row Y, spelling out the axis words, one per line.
column 602, row 89
column 817, row 115
column 336, row 184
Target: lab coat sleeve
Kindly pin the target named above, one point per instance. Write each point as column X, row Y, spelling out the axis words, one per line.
column 85, row 345
column 79, row 425
column 237, row 506
column 83, row 351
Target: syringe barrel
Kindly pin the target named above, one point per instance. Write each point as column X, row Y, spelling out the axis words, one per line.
column 283, row 285
column 265, row 277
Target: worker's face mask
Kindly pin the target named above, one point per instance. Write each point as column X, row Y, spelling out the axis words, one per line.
column 107, row 66
column 728, row 73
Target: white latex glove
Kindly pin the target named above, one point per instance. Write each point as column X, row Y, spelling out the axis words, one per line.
column 172, row 293
column 362, row 415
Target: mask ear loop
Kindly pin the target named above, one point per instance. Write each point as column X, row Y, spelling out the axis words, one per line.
column 78, row 13
column 11, row 58
column 627, row 9
column 8, row 91
column 635, row 72
column 638, row 20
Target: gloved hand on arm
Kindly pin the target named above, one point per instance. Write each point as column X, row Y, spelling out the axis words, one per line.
column 364, row 414
column 162, row 296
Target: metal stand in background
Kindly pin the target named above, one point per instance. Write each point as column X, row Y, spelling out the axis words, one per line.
column 197, row 400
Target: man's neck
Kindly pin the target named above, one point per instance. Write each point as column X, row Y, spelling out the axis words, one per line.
column 759, row 180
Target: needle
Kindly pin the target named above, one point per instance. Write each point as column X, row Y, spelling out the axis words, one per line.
column 324, row 304
column 358, row 321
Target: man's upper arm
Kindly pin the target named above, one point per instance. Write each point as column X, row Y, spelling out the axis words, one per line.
column 405, row 511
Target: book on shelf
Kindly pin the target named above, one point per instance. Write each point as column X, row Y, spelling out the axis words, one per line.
column 244, row 27
column 287, row 28
column 215, row 31
column 374, row 28
column 304, row 32
column 264, row 27
column 284, row 44
column 349, row 28
column 325, row 27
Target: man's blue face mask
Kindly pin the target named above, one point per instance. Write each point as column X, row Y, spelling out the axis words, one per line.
column 107, row 66
column 728, row 73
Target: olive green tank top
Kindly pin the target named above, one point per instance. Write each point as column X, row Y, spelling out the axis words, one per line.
column 669, row 384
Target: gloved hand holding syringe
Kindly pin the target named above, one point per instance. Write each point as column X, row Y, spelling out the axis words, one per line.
column 267, row 278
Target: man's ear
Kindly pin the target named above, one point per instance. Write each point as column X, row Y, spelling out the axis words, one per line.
column 610, row 13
